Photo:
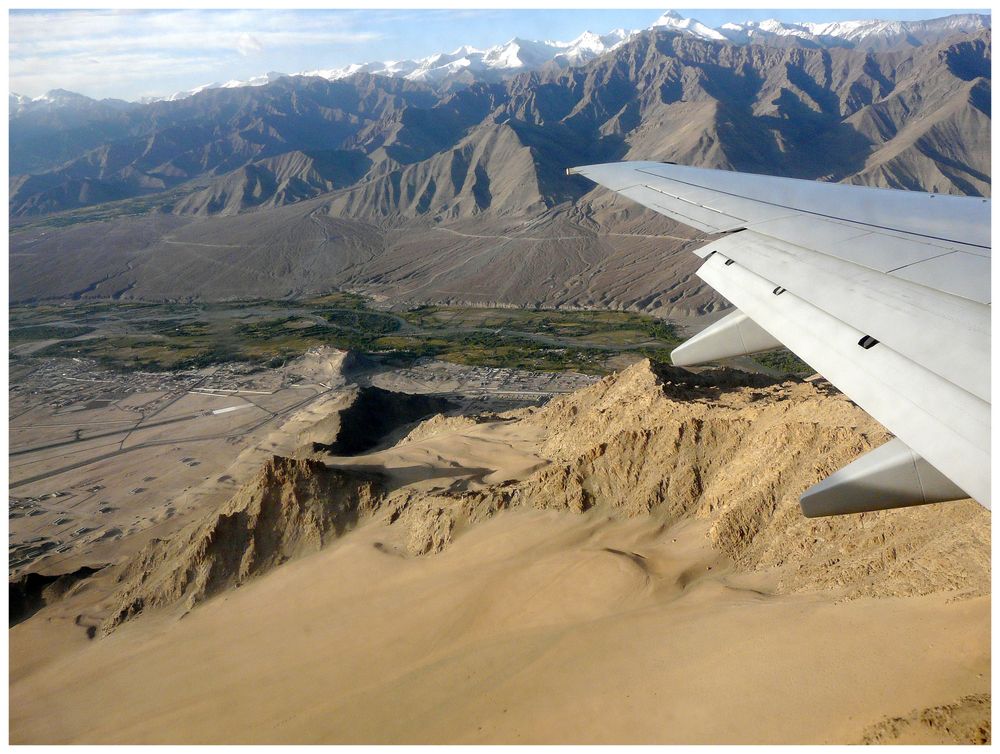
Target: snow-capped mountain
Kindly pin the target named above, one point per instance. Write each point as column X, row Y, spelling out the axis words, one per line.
column 16, row 101
column 870, row 34
column 468, row 64
column 268, row 78
column 673, row 21
column 55, row 97
column 504, row 59
column 522, row 54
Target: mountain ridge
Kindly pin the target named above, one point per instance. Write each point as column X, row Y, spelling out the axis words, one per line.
column 467, row 63
column 795, row 111
column 393, row 188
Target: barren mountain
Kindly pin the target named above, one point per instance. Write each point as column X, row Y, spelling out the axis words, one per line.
column 275, row 181
column 290, row 509
column 723, row 447
column 169, row 143
column 443, row 196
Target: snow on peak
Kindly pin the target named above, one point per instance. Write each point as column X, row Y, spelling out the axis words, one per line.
column 861, row 31
column 851, row 30
column 17, row 102
column 61, row 96
column 518, row 54
column 675, row 22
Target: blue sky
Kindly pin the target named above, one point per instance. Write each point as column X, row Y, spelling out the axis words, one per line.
column 131, row 54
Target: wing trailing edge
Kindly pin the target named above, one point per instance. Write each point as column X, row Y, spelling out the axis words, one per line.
column 952, row 431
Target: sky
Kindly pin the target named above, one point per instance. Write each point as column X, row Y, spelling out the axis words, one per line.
column 131, row 54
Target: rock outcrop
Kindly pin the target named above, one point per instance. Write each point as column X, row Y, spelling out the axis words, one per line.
column 728, row 450
column 736, row 451
column 293, row 507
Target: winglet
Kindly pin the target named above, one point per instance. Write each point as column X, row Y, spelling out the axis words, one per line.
column 891, row 476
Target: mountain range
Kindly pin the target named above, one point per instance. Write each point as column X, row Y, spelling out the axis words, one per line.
column 412, row 188
column 467, row 63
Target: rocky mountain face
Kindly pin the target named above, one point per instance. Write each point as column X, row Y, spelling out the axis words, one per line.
column 290, row 509
column 917, row 118
column 395, row 187
column 166, row 143
column 659, row 443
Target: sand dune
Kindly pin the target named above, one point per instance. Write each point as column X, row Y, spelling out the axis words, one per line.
column 536, row 627
column 624, row 565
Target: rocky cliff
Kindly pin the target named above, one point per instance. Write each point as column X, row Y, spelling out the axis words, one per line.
column 730, row 450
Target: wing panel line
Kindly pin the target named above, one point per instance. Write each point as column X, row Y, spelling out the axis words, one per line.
column 810, row 212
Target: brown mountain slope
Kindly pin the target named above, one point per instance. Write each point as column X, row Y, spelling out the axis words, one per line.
column 560, row 259
column 276, row 181
column 490, row 169
column 664, row 96
column 219, row 131
column 290, row 509
column 465, row 198
column 932, row 131
column 729, row 449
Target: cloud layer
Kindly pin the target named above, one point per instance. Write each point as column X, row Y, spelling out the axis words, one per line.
column 137, row 53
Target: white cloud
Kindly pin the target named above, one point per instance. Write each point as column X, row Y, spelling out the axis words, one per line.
column 117, row 74
column 114, row 52
column 61, row 32
column 248, row 44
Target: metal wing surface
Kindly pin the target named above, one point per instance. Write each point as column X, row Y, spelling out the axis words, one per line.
column 886, row 293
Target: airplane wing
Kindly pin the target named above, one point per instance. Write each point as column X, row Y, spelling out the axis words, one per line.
column 885, row 293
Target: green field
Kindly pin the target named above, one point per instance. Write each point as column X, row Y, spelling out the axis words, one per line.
column 47, row 332
column 177, row 336
column 131, row 335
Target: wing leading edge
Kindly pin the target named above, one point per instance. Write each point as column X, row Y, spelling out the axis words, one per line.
column 886, row 293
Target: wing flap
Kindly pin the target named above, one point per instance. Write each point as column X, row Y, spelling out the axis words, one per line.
column 951, row 432
column 946, row 334
column 733, row 335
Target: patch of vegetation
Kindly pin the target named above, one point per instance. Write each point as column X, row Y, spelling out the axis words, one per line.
column 551, row 322
column 338, row 300
column 129, row 353
column 177, row 328
column 179, row 336
column 47, row 332
column 361, row 321
column 784, row 362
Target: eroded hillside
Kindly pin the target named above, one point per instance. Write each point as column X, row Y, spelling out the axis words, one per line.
column 729, row 450
column 460, row 195
column 626, row 563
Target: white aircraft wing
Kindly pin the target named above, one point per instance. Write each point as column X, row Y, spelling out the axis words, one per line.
column 885, row 293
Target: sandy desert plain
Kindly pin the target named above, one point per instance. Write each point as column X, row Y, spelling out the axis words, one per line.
column 500, row 527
